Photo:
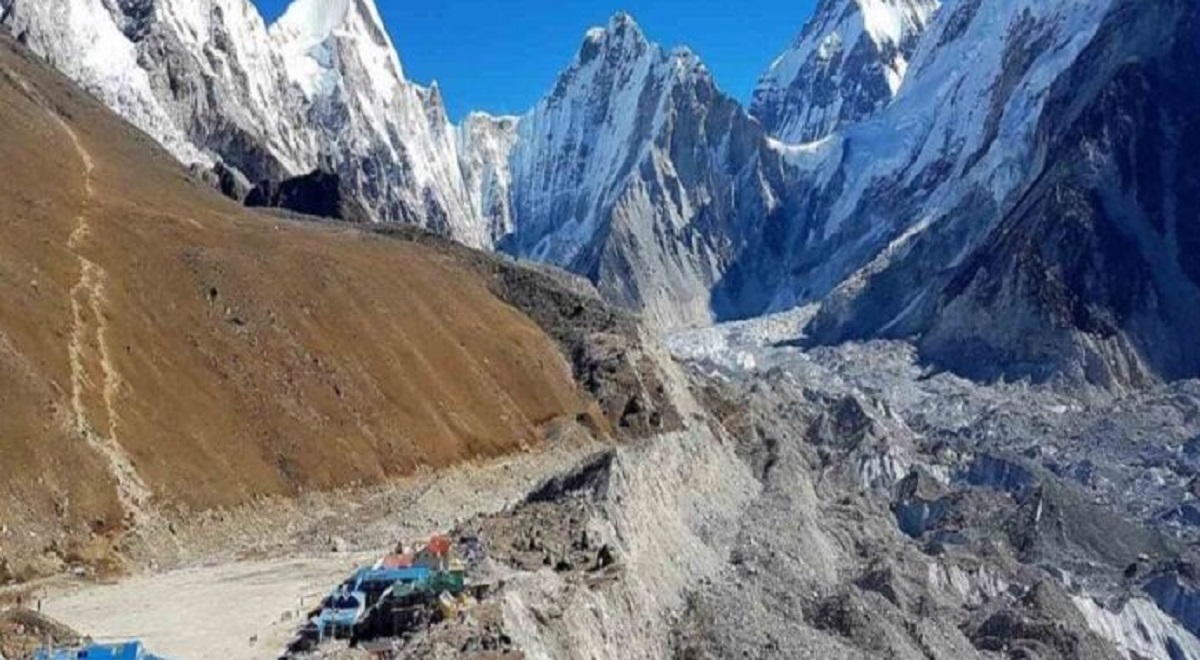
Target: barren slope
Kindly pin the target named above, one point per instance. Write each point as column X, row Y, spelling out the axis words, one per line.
column 163, row 350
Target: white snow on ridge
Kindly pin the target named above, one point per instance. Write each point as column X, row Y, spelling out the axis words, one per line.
column 889, row 22
column 311, row 22
column 304, row 36
column 828, row 53
column 88, row 46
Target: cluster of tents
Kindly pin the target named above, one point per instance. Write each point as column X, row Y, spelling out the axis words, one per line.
column 399, row 594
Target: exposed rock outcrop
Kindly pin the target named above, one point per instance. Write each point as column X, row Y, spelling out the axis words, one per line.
column 320, row 194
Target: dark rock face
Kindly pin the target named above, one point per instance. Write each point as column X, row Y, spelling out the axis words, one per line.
column 227, row 181
column 137, row 17
column 1093, row 274
column 319, row 194
column 590, row 478
column 1000, row 474
column 920, row 504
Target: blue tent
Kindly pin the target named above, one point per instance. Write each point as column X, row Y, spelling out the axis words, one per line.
column 386, row 577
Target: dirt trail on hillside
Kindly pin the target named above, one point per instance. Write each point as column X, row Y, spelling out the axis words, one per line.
column 88, row 297
column 88, row 348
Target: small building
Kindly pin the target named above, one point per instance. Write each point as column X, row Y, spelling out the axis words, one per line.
column 122, row 651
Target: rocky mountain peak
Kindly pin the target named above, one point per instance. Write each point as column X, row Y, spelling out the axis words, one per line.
column 622, row 24
column 311, row 33
column 314, row 21
column 621, row 38
column 435, row 106
column 687, row 65
column 847, row 64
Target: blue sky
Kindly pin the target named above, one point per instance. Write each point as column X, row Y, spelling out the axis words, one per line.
column 501, row 56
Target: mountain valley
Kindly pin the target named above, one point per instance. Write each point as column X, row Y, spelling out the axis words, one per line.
column 897, row 360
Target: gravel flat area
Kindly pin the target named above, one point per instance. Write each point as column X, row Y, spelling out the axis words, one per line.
column 243, row 594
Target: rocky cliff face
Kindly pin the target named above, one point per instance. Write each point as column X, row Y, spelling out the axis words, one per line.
column 1093, row 274
column 1044, row 238
column 637, row 172
column 847, row 64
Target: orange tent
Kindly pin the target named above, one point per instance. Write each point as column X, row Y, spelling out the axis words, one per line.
column 439, row 546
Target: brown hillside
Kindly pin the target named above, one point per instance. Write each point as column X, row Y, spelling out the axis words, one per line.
column 162, row 348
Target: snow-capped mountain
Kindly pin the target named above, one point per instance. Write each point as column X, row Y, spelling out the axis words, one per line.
column 957, row 145
column 321, row 88
column 982, row 205
column 390, row 138
column 639, row 173
column 895, row 153
column 1094, row 272
column 847, row 64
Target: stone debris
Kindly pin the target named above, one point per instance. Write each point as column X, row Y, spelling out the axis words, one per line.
column 24, row 631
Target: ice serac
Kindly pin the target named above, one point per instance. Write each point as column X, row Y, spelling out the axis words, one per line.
column 637, row 172
column 848, row 63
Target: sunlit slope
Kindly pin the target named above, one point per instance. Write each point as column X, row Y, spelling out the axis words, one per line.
column 164, row 349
